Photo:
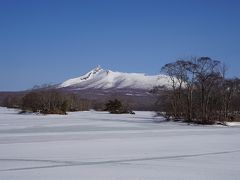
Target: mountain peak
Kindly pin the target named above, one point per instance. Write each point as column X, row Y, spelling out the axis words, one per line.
column 96, row 69
column 99, row 78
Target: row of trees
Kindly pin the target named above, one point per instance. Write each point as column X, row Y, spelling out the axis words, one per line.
column 56, row 102
column 47, row 102
column 200, row 92
column 12, row 101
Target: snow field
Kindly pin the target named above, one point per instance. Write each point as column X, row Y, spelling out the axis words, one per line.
column 100, row 146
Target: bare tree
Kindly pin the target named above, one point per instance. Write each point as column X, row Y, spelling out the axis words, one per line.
column 177, row 73
column 196, row 86
column 207, row 74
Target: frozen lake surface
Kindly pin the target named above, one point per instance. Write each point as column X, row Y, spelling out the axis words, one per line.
column 101, row 146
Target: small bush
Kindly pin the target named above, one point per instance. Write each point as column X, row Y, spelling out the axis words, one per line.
column 116, row 107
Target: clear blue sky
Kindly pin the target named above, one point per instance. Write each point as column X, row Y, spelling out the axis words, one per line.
column 44, row 41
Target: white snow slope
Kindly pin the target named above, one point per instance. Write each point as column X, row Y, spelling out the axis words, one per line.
column 99, row 78
column 101, row 146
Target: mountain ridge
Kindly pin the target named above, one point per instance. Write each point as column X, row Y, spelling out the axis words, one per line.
column 98, row 78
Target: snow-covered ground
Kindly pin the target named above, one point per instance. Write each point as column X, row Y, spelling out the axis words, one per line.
column 101, row 146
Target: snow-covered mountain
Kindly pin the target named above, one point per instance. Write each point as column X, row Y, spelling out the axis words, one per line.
column 99, row 78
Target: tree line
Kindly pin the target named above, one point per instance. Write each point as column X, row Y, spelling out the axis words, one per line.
column 199, row 92
column 47, row 102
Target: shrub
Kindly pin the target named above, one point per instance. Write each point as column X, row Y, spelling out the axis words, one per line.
column 116, row 107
